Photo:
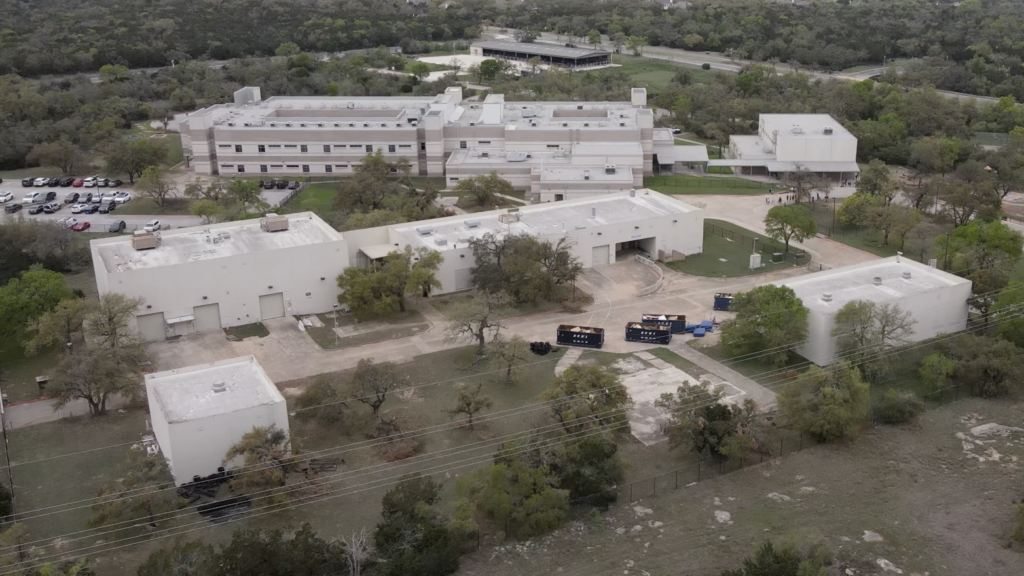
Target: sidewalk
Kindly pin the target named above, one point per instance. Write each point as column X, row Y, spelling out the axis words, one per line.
column 764, row 397
column 43, row 410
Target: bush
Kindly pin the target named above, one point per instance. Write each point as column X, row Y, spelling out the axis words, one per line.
column 321, row 402
column 1018, row 532
column 6, row 501
column 706, row 66
column 898, row 407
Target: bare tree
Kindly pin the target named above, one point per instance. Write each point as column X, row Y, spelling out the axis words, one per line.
column 894, row 325
column 153, row 182
column 358, row 549
column 109, row 323
column 375, row 381
column 476, row 319
column 509, row 354
column 96, row 374
column 469, row 402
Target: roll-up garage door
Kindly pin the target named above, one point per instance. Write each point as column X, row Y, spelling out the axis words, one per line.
column 464, row 279
column 151, row 327
column 207, row 317
column 600, row 255
column 271, row 306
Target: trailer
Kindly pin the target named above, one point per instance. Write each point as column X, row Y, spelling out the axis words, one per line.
column 676, row 321
column 650, row 333
column 584, row 336
column 723, row 301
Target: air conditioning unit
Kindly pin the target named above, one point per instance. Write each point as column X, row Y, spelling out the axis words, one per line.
column 609, row 169
column 828, row 130
column 441, row 241
column 472, row 223
column 142, row 240
column 274, row 223
column 425, row 230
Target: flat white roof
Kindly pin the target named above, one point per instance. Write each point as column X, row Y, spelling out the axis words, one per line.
column 188, row 393
column 579, row 174
column 856, row 282
column 542, row 219
column 810, row 124
column 215, row 241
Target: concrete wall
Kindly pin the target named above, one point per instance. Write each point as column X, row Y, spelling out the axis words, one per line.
column 804, row 148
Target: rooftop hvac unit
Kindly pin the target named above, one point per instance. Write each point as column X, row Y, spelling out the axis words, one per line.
column 508, row 218
column 828, row 130
column 350, row 105
column 231, row 123
column 274, row 223
column 425, row 230
column 609, row 169
column 288, row 124
column 586, row 174
column 797, row 130
column 142, row 240
column 472, row 223
column 528, row 113
column 485, row 155
column 441, row 241
column 247, row 124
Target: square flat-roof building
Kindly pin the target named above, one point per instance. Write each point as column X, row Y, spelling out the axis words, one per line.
column 440, row 136
column 936, row 299
column 575, row 58
column 199, row 412
column 211, row 277
column 793, row 142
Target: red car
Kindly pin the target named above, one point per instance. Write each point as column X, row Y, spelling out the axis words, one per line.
column 78, row 183
column 80, row 227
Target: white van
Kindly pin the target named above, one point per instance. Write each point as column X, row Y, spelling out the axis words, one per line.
column 32, row 197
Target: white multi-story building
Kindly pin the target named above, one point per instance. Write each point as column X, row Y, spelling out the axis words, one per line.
column 794, row 142
column 439, row 136
column 211, row 277
column 937, row 300
column 199, row 412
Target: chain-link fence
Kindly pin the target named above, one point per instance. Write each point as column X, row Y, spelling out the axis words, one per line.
column 758, row 244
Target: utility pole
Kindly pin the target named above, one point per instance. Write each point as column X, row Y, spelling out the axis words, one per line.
column 945, row 257
column 833, row 216
column 335, row 325
column 7, row 448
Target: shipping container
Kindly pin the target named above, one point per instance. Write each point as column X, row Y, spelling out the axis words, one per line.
column 676, row 321
column 651, row 333
column 585, row 336
column 723, row 301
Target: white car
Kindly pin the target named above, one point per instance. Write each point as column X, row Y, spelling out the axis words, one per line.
column 32, row 197
column 152, row 226
column 41, row 182
column 67, row 222
column 6, row 197
column 89, row 182
column 77, row 208
column 108, row 197
column 122, row 197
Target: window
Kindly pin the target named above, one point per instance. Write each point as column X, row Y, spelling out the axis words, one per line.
column 238, row 147
column 263, row 167
column 483, row 141
column 338, row 146
column 405, row 145
column 423, row 145
column 261, row 148
column 291, row 165
column 341, row 165
column 227, row 165
column 303, row 148
column 454, row 179
column 224, row 146
column 274, row 145
column 462, row 144
column 327, row 148
column 552, row 145
column 391, row 147
column 241, row 168
column 328, row 168
column 369, row 147
column 355, row 145
column 277, row 166
column 290, row 146
column 305, row 167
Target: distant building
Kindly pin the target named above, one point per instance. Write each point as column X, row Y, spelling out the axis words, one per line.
column 785, row 143
column 206, row 278
column 552, row 55
column 198, row 413
column 936, row 299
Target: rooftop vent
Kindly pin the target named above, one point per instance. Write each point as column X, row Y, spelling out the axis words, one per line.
column 273, row 124
column 485, row 155
column 288, row 124
column 274, row 223
column 632, row 192
column 906, row 275
column 826, row 297
column 593, row 212
column 622, row 124
column 828, row 130
column 231, row 123
column 797, row 130
column 319, row 124
column 425, row 230
column 877, row 281
column 472, row 223
column 579, row 107
column 609, row 169
column 219, row 387
column 565, row 124
column 586, row 174
column 302, row 124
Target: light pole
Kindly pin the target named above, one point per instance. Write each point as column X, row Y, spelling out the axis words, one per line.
column 335, row 325
column 7, row 447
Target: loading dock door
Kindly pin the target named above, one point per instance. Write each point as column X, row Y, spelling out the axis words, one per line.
column 207, row 317
column 600, row 255
column 271, row 306
column 464, row 279
column 151, row 327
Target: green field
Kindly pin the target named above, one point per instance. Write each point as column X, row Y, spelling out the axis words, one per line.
column 730, row 257
column 316, row 198
column 652, row 74
column 686, row 184
column 147, row 206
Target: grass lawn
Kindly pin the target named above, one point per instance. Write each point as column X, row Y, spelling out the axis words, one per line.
column 397, row 325
column 316, row 198
column 254, row 330
column 687, row 184
column 867, row 239
column 444, row 304
column 725, row 257
column 675, row 359
column 37, row 172
column 175, row 155
column 145, row 206
column 761, row 372
column 648, row 73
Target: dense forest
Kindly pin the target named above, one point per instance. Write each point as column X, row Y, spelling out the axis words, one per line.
column 974, row 46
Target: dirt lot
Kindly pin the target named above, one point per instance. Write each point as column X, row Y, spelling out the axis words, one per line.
column 927, row 498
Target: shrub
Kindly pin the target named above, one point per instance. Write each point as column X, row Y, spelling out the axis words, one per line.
column 1018, row 532
column 706, row 66
column 898, row 407
column 321, row 402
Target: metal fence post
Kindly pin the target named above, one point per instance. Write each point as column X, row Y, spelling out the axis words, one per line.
column 801, row 441
column 782, row 446
column 677, row 479
column 698, row 470
column 655, row 485
column 630, row 492
column 719, row 467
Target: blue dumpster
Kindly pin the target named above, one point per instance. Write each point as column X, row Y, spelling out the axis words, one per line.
column 723, row 301
column 698, row 333
column 690, row 327
column 708, row 325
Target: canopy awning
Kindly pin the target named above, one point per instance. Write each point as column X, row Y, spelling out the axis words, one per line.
column 378, row 251
column 180, row 319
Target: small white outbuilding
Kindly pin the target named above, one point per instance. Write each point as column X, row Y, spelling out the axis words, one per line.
column 937, row 300
column 199, row 412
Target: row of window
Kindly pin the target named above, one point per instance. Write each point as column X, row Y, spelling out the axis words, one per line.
column 327, row 147
column 462, row 143
column 240, row 168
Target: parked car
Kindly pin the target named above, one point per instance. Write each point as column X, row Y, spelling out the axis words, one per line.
column 122, row 197
column 28, row 182
column 77, row 208
column 50, row 196
column 282, row 184
column 117, row 227
column 78, row 183
column 40, row 182
column 268, row 185
column 12, row 208
column 6, row 197
column 107, row 207
column 90, row 209
column 115, row 183
column 95, row 198
column 152, row 226
column 81, row 226
column 89, row 182
column 32, row 197
column 72, row 197
column 51, row 208
column 67, row 222
column 35, row 209
column 102, row 182
column 294, row 185
column 108, row 197
column 66, row 181
column 53, row 182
